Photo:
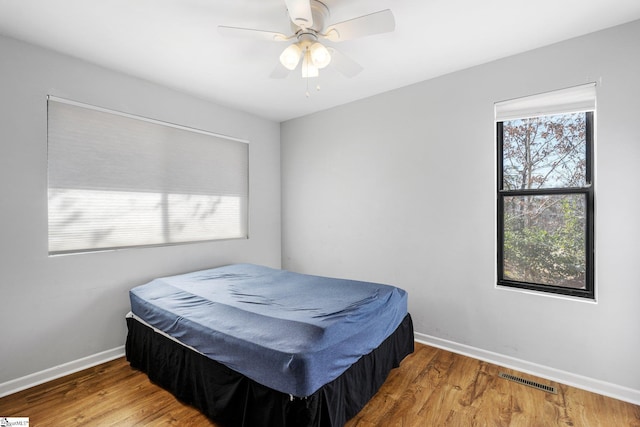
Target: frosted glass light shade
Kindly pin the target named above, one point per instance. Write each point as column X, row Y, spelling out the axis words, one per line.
column 319, row 55
column 290, row 57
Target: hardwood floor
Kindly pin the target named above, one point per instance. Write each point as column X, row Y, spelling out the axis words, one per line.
column 432, row 387
column 438, row 388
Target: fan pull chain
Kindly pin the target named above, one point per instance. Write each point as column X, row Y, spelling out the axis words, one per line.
column 307, row 93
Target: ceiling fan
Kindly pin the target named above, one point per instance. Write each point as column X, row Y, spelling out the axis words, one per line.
column 308, row 26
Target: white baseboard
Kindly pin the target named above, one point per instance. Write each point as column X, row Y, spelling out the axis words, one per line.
column 23, row 383
column 585, row 383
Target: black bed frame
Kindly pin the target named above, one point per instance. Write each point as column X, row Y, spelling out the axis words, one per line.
column 231, row 399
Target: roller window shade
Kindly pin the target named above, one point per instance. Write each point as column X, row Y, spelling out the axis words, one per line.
column 117, row 180
column 569, row 100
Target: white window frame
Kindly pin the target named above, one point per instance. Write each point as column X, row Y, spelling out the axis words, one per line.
column 578, row 99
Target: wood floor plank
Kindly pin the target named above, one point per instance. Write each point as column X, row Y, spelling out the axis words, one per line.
column 432, row 387
column 401, row 388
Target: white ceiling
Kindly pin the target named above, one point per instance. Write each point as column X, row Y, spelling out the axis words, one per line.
column 176, row 43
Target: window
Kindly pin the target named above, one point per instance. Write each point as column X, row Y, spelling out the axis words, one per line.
column 117, row 180
column 545, row 192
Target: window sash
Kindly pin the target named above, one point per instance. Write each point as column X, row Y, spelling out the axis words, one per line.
column 117, row 180
column 588, row 291
column 587, row 190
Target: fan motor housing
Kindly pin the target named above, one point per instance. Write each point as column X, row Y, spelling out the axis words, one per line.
column 320, row 13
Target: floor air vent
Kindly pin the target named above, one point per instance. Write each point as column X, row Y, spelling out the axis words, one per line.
column 547, row 388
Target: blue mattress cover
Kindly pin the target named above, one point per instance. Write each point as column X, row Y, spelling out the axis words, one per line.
column 288, row 331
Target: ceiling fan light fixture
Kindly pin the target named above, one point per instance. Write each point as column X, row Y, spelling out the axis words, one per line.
column 308, row 32
column 320, row 56
column 290, row 57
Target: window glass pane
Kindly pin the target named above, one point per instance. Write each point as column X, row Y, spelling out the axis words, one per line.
column 544, row 152
column 544, row 239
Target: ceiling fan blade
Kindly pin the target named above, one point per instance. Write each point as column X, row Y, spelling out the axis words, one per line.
column 300, row 12
column 280, row 72
column 374, row 23
column 345, row 65
column 252, row 33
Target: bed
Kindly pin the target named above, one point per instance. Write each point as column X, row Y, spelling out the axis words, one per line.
column 250, row 345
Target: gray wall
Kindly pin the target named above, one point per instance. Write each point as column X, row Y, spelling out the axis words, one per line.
column 400, row 188
column 55, row 310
